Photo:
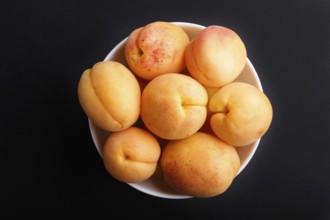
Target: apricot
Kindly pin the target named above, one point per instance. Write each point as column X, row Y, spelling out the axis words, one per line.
column 155, row 49
column 201, row 165
column 173, row 106
column 131, row 155
column 241, row 113
column 216, row 56
column 110, row 95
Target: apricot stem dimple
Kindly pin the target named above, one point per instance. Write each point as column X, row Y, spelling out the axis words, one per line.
column 127, row 157
column 189, row 102
column 140, row 52
column 224, row 111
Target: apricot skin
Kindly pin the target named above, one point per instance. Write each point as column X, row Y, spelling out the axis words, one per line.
column 201, row 165
column 173, row 106
column 110, row 95
column 240, row 113
column 216, row 56
column 155, row 49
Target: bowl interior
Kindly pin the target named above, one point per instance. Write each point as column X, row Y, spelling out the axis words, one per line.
column 155, row 185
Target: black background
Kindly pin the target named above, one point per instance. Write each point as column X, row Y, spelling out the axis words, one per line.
column 47, row 157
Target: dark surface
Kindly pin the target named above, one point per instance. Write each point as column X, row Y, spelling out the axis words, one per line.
column 47, row 157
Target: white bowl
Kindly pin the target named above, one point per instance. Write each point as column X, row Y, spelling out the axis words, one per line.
column 155, row 185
